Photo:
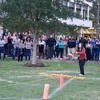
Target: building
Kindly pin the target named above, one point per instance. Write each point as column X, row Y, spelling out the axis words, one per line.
column 91, row 32
column 83, row 8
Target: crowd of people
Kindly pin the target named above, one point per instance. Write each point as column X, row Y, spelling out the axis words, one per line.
column 18, row 44
column 54, row 47
column 21, row 44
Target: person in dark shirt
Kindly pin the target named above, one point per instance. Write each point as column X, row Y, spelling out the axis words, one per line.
column 21, row 51
column 51, row 42
column 31, row 37
column 71, row 45
column 9, row 44
column 6, row 31
column 88, row 50
column 20, row 36
column 41, row 44
column 83, row 41
column 46, row 49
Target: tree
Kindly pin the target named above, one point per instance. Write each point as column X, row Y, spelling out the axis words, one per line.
column 93, row 14
column 35, row 15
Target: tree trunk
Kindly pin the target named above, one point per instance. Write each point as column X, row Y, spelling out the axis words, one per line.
column 34, row 49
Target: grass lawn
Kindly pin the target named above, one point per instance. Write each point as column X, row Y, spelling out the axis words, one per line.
column 23, row 83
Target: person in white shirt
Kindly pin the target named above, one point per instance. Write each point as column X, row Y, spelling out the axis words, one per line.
column 15, row 43
column 2, row 48
column 28, row 45
column 41, row 44
column 14, row 36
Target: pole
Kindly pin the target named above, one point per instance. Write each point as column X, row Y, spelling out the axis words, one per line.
column 97, row 18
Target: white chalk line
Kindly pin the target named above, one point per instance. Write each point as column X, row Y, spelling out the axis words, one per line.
column 35, row 84
column 8, row 81
column 20, row 76
column 3, row 80
column 29, row 76
column 66, row 71
column 59, row 88
column 93, row 78
column 44, row 75
column 15, row 98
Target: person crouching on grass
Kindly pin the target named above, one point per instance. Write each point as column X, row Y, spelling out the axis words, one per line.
column 21, row 51
column 82, row 58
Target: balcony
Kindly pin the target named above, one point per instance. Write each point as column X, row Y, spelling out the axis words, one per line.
column 78, row 22
column 88, row 2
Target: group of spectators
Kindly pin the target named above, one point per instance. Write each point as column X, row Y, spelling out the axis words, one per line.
column 21, row 44
column 54, row 47
column 92, row 47
column 18, row 44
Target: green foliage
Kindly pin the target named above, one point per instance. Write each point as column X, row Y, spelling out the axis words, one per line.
column 93, row 14
column 25, row 15
column 72, row 30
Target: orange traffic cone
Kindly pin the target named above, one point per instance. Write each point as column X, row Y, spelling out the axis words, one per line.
column 46, row 90
column 61, row 80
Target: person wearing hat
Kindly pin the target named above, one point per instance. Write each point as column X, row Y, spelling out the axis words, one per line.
column 71, row 45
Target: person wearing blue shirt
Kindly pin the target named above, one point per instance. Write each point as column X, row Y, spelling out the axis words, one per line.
column 95, row 49
column 99, row 44
column 77, row 43
column 61, row 48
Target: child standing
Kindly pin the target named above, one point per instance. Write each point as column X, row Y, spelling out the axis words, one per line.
column 82, row 57
column 21, row 51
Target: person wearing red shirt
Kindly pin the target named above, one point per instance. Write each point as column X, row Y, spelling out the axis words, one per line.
column 82, row 58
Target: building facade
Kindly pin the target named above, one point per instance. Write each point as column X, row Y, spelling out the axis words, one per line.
column 83, row 8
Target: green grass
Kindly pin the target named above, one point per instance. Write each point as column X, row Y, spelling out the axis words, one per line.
column 27, row 85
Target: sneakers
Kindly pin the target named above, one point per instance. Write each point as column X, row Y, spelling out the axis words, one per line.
column 60, row 58
column 80, row 74
column 56, row 58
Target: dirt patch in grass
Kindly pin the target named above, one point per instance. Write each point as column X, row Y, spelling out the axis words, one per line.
column 35, row 65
